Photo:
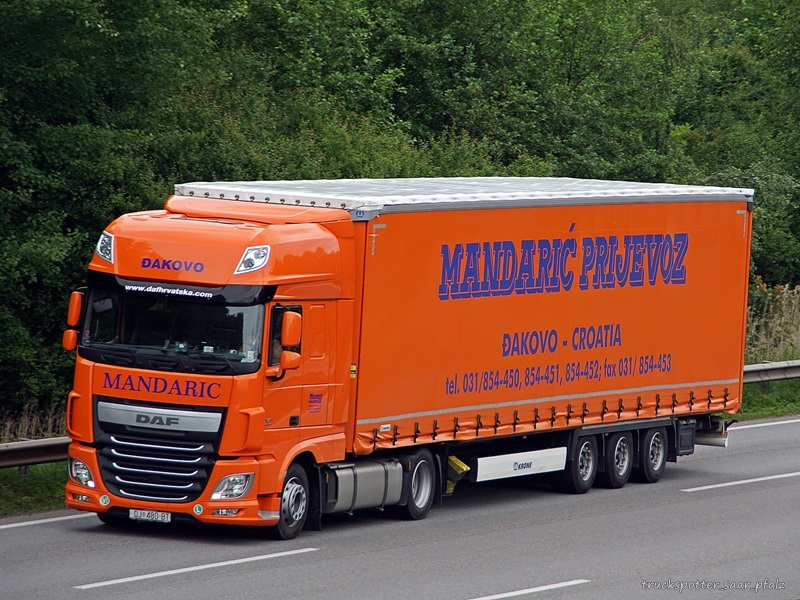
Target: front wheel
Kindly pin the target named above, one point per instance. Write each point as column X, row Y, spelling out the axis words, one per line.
column 294, row 504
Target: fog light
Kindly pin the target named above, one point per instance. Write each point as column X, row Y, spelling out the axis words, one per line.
column 225, row 512
column 233, row 486
column 81, row 498
column 80, row 473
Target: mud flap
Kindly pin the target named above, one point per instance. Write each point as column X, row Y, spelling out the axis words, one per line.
column 314, row 518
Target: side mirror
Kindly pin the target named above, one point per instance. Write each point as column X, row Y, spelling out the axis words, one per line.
column 291, row 329
column 291, row 334
column 290, row 360
column 69, row 341
column 74, row 309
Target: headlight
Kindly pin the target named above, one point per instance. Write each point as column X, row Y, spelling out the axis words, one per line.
column 253, row 259
column 105, row 247
column 80, row 473
column 233, row 486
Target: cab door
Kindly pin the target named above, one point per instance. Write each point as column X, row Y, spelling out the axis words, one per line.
column 299, row 371
column 284, row 372
column 318, row 363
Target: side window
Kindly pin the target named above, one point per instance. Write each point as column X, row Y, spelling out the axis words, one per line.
column 276, row 321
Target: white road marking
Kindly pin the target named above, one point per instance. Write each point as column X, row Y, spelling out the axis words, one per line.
column 703, row 488
column 534, row 590
column 50, row 520
column 737, row 427
column 216, row 565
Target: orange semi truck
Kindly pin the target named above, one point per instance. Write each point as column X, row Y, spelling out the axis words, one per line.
column 264, row 353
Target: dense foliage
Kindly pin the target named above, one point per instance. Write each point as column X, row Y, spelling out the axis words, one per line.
column 105, row 104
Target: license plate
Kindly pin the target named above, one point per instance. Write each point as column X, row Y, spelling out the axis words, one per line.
column 154, row 516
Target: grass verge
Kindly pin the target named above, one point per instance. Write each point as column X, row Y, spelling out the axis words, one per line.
column 778, row 399
column 32, row 489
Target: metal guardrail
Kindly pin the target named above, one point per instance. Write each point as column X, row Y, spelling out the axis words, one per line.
column 772, row 371
column 34, row 452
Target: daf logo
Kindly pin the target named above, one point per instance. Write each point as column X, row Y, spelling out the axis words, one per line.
column 157, row 420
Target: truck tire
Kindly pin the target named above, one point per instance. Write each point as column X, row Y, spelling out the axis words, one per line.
column 422, row 485
column 579, row 474
column 619, row 460
column 294, row 504
column 652, row 455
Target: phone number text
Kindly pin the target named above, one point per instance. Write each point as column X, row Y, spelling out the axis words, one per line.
column 476, row 382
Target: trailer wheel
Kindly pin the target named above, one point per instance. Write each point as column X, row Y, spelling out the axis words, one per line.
column 579, row 474
column 422, row 486
column 294, row 504
column 652, row 455
column 619, row 460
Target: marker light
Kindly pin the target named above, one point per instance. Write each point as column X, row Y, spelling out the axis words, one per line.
column 80, row 473
column 105, row 247
column 253, row 259
column 233, row 486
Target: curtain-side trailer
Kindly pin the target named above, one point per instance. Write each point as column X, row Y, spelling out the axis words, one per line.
column 264, row 353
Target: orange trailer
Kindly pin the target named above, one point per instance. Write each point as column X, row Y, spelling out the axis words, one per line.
column 264, row 353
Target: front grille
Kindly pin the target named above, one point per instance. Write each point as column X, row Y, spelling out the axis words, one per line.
column 156, row 470
column 143, row 463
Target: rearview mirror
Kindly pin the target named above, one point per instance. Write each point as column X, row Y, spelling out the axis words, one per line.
column 74, row 309
column 291, row 329
column 290, row 360
column 69, row 341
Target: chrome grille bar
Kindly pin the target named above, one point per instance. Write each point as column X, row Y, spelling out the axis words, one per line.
column 161, row 447
column 185, row 486
column 161, row 459
column 120, row 467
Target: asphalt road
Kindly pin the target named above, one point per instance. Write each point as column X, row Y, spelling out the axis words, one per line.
column 677, row 538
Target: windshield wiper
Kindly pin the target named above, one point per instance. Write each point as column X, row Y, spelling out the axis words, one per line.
column 115, row 355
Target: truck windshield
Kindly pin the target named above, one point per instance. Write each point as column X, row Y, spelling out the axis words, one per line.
column 171, row 333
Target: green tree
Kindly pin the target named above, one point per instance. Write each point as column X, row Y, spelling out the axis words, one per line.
column 105, row 104
column 82, row 87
